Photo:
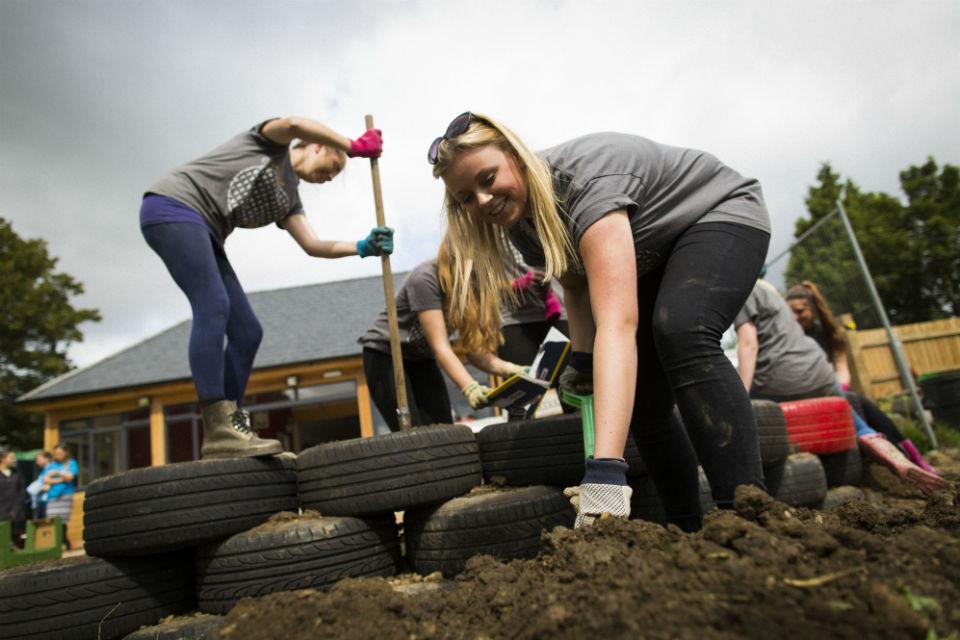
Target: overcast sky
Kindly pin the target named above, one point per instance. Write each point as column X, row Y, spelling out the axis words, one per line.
column 98, row 98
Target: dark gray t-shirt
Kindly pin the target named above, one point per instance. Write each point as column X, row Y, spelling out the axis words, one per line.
column 788, row 362
column 246, row 182
column 664, row 190
column 419, row 292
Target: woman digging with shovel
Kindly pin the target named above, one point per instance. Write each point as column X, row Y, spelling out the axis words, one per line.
column 656, row 248
column 250, row 181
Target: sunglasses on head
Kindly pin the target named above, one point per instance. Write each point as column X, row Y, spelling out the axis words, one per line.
column 457, row 127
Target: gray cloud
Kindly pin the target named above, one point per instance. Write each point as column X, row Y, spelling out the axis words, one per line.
column 100, row 97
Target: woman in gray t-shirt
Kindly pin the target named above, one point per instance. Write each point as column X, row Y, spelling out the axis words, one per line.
column 249, row 181
column 656, row 247
column 425, row 335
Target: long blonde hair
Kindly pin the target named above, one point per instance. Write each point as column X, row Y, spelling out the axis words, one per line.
column 479, row 331
column 477, row 250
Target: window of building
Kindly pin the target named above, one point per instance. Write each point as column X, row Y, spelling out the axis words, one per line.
column 105, row 445
column 184, row 432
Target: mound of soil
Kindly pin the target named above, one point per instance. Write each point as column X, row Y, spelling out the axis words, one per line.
column 887, row 566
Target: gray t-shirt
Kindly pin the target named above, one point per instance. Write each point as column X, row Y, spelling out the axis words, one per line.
column 664, row 190
column 531, row 307
column 246, row 182
column 788, row 362
column 419, row 292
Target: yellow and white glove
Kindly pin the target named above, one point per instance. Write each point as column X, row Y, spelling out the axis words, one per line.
column 510, row 369
column 476, row 394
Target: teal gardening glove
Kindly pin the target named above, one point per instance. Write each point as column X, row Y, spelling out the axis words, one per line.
column 380, row 240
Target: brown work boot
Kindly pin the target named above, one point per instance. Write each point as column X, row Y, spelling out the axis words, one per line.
column 227, row 434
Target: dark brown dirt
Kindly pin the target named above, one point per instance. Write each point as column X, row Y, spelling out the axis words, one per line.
column 884, row 567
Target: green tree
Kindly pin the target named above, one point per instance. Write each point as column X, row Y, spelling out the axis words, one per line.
column 37, row 324
column 912, row 248
column 934, row 214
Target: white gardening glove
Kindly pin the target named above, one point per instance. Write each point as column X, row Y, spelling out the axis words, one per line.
column 476, row 394
column 603, row 490
column 592, row 501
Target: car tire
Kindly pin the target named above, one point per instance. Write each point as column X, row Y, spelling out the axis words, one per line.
column 798, row 482
column 302, row 553
column 190, row 627
column 772, row 430
column 175, row 506
column 393, row 472
column 839, row 495
column 504, row 523
column 544, row 451
column 86, row 598
column 843, row 468
column 820, row 425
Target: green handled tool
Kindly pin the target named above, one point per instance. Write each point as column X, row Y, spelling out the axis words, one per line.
column 585, row 404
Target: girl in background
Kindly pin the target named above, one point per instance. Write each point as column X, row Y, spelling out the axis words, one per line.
column 813, row 313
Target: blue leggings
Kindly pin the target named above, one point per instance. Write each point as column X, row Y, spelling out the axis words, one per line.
column 685, row 306
column 220, row 309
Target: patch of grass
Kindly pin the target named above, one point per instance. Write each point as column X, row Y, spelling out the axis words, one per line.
column 947, row 437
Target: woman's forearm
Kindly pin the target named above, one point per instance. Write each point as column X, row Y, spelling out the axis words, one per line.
column 614, row 386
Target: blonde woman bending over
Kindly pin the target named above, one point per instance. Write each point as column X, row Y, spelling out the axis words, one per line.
column 656, row 247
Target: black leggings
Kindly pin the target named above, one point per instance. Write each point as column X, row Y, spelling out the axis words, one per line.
column 684, row 308
column 426, row 387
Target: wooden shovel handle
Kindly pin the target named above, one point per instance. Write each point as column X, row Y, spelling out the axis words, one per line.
column 403, row 411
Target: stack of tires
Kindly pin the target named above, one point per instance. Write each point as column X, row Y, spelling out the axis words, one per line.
column 550, row 452
column 823, row 428
column 163, row 541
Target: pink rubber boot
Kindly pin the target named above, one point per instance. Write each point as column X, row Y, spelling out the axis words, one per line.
column 907, row 447
column 881, row 449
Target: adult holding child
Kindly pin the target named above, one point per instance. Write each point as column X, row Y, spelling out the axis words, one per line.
column 59, row 482
column 656, row 248
column 250, row 181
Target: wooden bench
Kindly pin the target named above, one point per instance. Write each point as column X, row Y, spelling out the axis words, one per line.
column 44, row 541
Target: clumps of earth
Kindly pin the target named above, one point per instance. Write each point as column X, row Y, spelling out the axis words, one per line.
column 886, row 566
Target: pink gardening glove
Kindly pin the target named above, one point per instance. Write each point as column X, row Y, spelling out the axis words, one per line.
column 368, row 145
column 552, row 304
column 523, row 282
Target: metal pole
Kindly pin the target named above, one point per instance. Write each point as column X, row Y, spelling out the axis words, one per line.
column 807, row 233
column 403, row 411
column 895, row 345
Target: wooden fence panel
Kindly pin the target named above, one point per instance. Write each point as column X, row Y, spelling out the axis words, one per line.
column 929, row 347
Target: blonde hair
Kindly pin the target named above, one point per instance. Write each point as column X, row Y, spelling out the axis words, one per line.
column 478, row 330
column 478, row 250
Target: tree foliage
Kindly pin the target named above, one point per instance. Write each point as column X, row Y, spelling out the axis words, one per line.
column 37, row 324
column 912, row 247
